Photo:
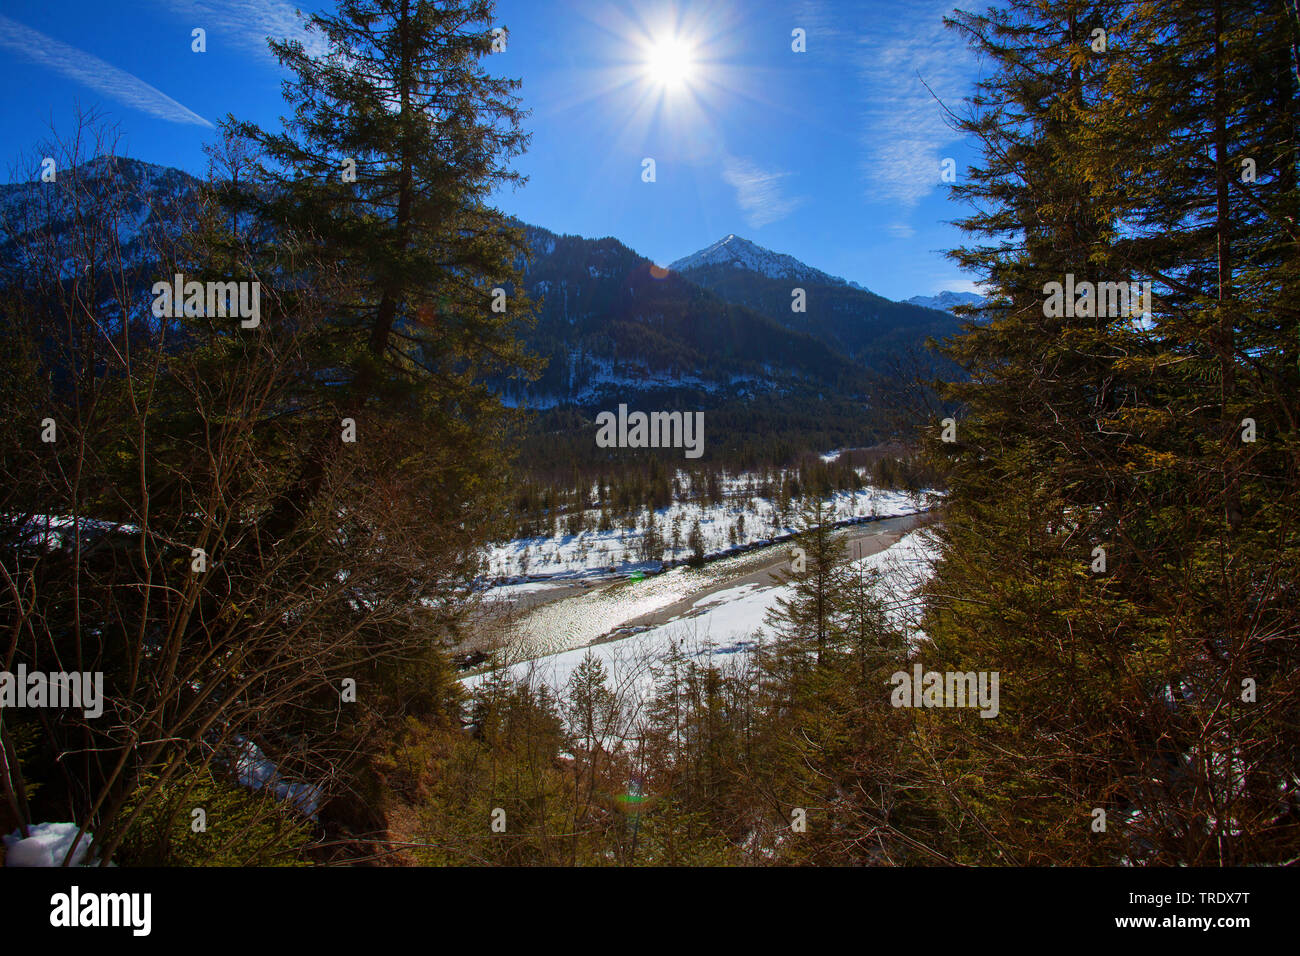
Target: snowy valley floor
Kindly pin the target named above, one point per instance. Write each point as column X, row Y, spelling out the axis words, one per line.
column 718, row 616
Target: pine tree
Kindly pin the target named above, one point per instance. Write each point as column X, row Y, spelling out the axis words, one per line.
column 695, row 541
column 811, row 617
column 827, row 740
column 652, row 543
column 382, row 174
column 1209, row 95
column 590, row 706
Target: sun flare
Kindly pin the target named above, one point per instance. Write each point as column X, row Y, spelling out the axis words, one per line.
column 670, row 62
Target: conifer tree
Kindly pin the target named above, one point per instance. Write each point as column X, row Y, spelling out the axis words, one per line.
column 1206, row 96
column 810, row 620
column 399, row 136
column 695, row 541
column 1030, row 457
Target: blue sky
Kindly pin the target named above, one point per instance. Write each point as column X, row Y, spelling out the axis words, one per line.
column 831, row 155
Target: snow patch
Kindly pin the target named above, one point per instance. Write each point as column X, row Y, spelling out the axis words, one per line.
column 742, row 254
column 46, row 845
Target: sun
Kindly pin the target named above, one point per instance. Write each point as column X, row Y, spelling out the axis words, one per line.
column 670, row 62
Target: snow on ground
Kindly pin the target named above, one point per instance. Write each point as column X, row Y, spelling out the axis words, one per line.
column 723, row 627
column 904, row 569
column 46, row 845
column 738, row 522
column 257, row 771
column 509, row 592
column 51, row 532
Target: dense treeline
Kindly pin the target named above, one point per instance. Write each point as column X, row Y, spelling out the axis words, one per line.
column 559, row 465
column 617, row 495
column 766, row 430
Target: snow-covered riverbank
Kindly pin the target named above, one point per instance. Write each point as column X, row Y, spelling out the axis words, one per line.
column 737, row 523
column 724, row 626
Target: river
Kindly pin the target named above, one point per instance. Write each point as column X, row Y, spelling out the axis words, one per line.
column 547, row 618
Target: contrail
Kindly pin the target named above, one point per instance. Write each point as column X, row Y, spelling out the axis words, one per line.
column 94, row 73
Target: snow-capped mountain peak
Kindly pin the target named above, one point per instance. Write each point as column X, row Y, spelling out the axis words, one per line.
column 945, row 301
column 740, row 253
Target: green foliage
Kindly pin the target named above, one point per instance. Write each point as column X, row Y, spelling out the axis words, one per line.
column 1122, row 688
column 240, row 827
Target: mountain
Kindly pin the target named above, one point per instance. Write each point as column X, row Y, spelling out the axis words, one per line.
column 611, row 323
column 715, row 331
column 611, row 328
column 738, row 253
column 140, row 197
column 945, row 301
column 854, row 322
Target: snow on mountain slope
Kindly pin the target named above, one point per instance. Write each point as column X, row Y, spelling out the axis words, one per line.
column 945, row 301
column 742, row 254
column 140, row 200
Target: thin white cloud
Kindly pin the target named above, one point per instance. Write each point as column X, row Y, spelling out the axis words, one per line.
column 248, row 23
column 758, row 191
column 821, row 23
column 93, row 72
column 904, row 130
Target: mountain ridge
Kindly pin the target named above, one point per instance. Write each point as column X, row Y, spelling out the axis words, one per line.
column 738, row 252
column 947, row 300
column 611, row 323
